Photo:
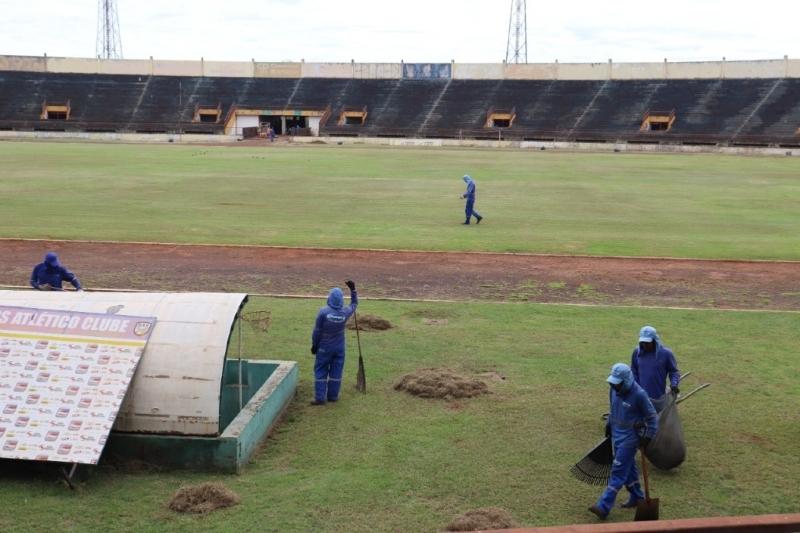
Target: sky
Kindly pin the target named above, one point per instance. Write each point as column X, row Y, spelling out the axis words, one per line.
column 467, row 31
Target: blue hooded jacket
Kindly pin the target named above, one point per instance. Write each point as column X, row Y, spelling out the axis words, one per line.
column 51, row 272
column 632, row 413
column 650, row 369
column 328, row 334
column 470, row 192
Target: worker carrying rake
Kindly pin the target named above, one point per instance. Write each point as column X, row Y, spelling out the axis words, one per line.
column 327, row 344
column 632, row 423
column 652, row 363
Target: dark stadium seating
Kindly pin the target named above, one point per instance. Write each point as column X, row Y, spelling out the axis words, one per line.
column 712, row 111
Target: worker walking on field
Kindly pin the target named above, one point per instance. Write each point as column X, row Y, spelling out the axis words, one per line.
column 49, row 275
column 469, row 194
column 632, row 423
column 327, row 343
column 652, row 363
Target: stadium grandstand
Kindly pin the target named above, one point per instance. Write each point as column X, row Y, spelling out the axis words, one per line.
column 723, row 103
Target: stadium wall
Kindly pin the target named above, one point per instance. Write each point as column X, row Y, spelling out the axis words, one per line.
column 770, row 68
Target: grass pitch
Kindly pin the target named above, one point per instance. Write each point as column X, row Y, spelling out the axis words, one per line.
column 388, row 461
column 392, row 462
column 705, row 206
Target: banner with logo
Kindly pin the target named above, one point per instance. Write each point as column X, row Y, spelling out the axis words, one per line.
column 63, row 376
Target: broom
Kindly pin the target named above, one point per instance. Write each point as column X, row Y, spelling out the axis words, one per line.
column 361, row 378
column 595, row 467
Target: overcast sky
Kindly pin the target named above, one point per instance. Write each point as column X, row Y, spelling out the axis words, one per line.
column 468, row 31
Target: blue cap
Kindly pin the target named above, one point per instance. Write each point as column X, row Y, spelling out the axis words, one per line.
column 51, row 258
column 620, row 373
column 648, row 334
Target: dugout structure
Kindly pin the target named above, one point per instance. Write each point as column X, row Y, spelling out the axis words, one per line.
column 193, row 402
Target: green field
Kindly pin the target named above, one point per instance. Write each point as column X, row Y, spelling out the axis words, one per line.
column 707, row 206
column 391, row 462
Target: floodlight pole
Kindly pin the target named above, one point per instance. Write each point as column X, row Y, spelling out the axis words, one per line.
column 109, row 43
column 518, row 29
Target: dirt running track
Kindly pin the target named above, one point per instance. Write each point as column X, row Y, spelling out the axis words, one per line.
column 418, row 275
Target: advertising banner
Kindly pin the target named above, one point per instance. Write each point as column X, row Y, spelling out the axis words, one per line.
column 63, row 376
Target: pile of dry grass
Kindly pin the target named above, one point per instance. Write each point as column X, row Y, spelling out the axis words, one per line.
column 480, row 519
column 203, row 498
column 370, row 323
column 440, row 383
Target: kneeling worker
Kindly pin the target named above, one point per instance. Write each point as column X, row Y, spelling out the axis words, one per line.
column 632, row 423
column 49, row 275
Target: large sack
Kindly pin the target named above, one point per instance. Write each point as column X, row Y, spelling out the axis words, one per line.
column 668, row 449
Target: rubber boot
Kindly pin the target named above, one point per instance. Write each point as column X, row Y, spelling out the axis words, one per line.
column 595, row 510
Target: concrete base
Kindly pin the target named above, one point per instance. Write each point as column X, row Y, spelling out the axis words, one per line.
column 551, row 145
column 233, row 448
column 139, row 138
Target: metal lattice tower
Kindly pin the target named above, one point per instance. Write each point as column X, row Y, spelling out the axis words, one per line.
column 109, row 42
column 517, row 46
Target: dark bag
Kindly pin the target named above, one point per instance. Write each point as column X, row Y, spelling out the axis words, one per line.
column 668, row 449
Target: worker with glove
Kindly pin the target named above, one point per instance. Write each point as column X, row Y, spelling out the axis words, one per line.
column 327, row 343
column 652, row 363
column 632, row 423
column 49, row 275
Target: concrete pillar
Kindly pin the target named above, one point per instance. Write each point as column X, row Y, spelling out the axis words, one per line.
column 152, row 66
column 283, row 124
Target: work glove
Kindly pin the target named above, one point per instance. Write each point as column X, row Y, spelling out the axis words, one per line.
column 608, row 430
column 644, row 442
column 676, row 391
column 313, row 351
column 350, row 284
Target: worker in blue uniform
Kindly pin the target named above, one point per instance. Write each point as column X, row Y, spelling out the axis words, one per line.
column 50, row 275
column 469, row 194
column 632, row 423
column 652, row 363
column 327, row 344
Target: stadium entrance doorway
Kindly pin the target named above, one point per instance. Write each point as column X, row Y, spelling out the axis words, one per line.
column 282, row 124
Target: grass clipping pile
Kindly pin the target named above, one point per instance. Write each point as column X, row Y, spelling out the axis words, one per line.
column 440, row 383
column 369, row 323
column 203, row 498
column 480, row 519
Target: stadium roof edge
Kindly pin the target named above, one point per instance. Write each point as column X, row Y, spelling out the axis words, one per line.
column 767, row 68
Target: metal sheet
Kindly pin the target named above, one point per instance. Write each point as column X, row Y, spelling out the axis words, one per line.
column 63, row 378
column 177, row 385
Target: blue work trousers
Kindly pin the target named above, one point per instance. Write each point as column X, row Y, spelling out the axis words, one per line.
column 470, row 211
column 328, row 369
column 623, row 474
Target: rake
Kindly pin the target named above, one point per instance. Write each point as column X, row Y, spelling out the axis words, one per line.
column 595, row 467
column 361, row 378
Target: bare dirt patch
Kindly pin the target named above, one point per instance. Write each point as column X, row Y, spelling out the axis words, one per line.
column 480, row 519
column 440, row 383
column 417, row 275
column 203, row 498
column 370, row 323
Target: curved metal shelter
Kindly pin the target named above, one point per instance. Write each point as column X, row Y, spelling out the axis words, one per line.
column 177, row 387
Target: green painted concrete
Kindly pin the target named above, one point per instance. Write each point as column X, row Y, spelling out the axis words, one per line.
column 269, row 387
